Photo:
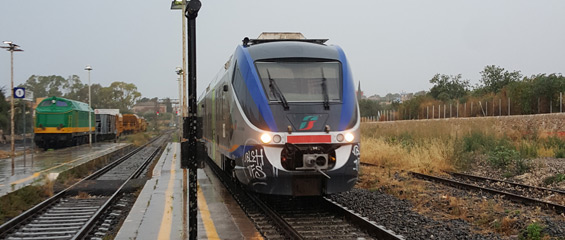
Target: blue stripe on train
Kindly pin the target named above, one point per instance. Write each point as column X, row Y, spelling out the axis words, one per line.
column 348, row 107
column 251, row 78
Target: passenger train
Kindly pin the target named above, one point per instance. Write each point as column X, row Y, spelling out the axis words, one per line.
column 282, row 117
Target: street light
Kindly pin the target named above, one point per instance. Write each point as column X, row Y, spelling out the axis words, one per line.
column 181, row 5
column 88, row 68
column 179, row 72
column 12, row 48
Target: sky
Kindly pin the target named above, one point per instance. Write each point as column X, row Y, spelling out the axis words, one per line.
column 393, row 46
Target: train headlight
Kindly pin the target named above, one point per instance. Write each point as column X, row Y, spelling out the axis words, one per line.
column 277, row 138
column 340, row 137
column 265, row 138
column 349, row 137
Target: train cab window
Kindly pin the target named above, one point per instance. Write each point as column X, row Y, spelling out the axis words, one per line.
column 62, row 104
column 301, row 81
column 46, row 103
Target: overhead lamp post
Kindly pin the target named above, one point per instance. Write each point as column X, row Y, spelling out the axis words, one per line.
column 179, row 72
column 12, row 47
column 181, row 5
column 89, row 68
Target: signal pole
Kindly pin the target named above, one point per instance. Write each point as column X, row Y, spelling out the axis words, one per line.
column 189, row 149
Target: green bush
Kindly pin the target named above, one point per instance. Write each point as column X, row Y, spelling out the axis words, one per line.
column 533, row 232
column 554, row 179
column 502, row 156
column 478, row 142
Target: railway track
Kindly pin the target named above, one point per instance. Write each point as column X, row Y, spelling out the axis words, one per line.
column 520, row 193
column 80, row 210
column 278, row 217
column 552, row 199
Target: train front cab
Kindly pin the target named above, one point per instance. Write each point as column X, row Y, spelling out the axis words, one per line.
column 309, row 114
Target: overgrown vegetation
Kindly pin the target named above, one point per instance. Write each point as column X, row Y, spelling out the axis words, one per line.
column 533, row 232
column 498, row 89
column 436, row 146
column 17, row 202
column 138, row 139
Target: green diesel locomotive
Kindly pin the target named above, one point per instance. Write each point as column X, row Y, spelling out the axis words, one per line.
column 61, row 122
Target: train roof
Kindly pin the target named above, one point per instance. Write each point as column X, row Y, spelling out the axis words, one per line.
column 59, row 104
column 292, row 49
column 107, row 111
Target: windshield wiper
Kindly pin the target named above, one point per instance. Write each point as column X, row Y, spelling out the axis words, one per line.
column 325, row 91
column 276, row 91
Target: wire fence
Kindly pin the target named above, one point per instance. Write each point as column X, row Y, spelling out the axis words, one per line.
column 494, row 107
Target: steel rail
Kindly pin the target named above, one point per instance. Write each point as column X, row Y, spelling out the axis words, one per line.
column 513, row 197
column 85, row 230
column 371, row 227
column 469, row 176
column 30, row 213
column 284, row 226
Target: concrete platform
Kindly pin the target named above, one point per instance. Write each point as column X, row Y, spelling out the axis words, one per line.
column 48, row 164
column 161, row 210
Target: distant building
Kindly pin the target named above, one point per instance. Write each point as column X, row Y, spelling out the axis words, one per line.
column 149, row 107
column 359, row 93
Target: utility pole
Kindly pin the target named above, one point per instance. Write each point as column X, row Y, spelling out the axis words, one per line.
column 12, row 48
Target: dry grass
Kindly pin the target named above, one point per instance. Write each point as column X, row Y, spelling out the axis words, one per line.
column 435, row 146
column 431, row 155
column 138, row 139
column 83, row 195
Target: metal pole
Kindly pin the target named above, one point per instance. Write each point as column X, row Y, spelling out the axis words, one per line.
column 184, row 106
column 88, row 68
column 179, row 108
column 13, row 147
column 23, row 101
column 191, row 13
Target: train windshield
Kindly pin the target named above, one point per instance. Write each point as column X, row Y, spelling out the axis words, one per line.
column 56, row 102
column 301, row 81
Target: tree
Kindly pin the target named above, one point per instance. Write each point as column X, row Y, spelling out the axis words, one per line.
column 75, row 88
column 448, row 87
column 495, row 78
column 125, row 95
column 368, row 108
column 46, row 86
column 4, row 111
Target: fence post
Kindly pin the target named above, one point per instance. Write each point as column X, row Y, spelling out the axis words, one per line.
column 508, row 106
column 471, row 108
column 499, row 107
column 444, row 110
column 433, row 111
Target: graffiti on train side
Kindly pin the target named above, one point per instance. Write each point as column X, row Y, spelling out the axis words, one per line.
column 254, row 161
